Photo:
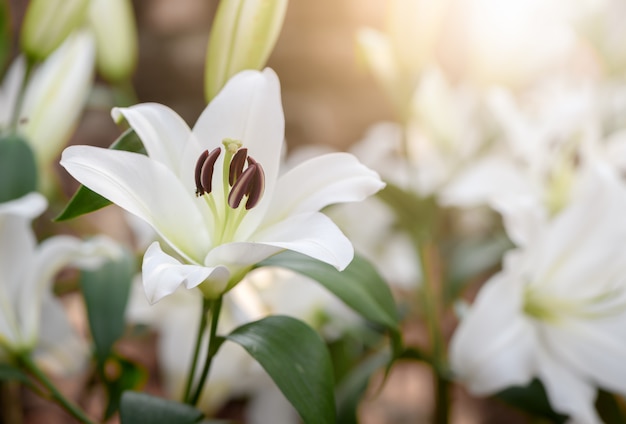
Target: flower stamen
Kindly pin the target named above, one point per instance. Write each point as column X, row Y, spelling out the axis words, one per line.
column 204, row 171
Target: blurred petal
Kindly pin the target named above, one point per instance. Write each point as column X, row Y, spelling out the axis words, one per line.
column 29, row 206
column 568, row 393
column 144, row 188
column 56, row 95
column 493, row 346
column 59, row 348
column 113, row 25
column 51, row 256
column 162, row 274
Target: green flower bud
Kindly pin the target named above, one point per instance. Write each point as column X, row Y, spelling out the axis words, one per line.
column 113, row 25
column 243, row 35
column 47, row 23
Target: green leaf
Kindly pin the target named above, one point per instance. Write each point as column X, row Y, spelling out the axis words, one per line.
column 18, row 169
column 533, row 399
column 358, row 286
column 106, row 292
column 141, row 408
column 5, row 34
column 85, row 200
column 296, row 358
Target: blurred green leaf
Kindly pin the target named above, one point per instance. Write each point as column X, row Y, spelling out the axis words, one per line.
column 18, row 169
column 532, row 399
column 359, row 286
column 141, row 408
column 120, row 375
column 5, row 34
column 106, row 292
column 297, row 359
column 85, row 200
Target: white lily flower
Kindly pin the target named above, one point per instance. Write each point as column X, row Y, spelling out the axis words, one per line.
column 557, row 311
column 31, row 318
column 192, row 188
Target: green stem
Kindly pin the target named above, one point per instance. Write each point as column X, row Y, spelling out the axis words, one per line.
column 55, row 395
column 216, row 306
column 429, row 258
column 206, row 304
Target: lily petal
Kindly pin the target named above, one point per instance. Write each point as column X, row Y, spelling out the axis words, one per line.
column 17, row 246
column 145, row 188
column 568, row 393
column 247, row 109
column 492, row 348
column 59, row 348
column 322, row 181
column 56, row 94
column 312, row 234
column 162, row 274
column 51, row 256
column 163, row 132
column 29, row 206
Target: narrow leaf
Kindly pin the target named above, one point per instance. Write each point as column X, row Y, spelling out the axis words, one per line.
column 5, row 34
column 359, row 286
column 106, row 293
column 297, row 359
column 85, row 200
column 18, row 169
column 141, row 408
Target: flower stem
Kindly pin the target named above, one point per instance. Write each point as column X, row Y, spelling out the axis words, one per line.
column 429, row 261
column 216, row 306
column 206, row 304
column 54, row 394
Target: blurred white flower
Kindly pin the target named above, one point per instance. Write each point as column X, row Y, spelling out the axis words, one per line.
column 112, row 23
column 53, row 99
column 192, row 188
column 31, row 318
column 397, row 56
column 557, row 310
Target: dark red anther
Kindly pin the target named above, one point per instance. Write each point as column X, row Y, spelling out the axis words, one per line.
column 258, row 186
column 236, row 166
column 251, row 183
column 204, row 171
column 199, row 163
